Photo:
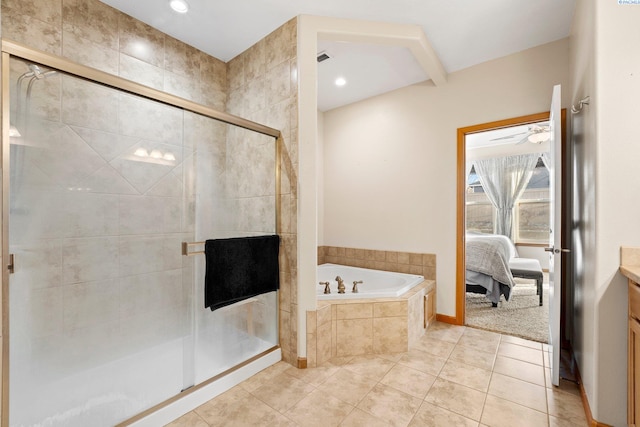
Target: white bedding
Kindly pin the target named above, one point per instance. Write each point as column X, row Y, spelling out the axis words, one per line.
column 487, row 263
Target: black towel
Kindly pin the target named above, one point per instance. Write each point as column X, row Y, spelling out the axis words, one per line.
column 240, row 268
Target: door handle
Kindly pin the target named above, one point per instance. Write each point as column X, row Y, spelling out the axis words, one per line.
column 556, row 251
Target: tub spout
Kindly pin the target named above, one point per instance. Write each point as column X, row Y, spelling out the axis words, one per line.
column 341, row 286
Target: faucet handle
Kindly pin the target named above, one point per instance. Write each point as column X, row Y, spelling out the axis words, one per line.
column 327, row 289
column 355, row 286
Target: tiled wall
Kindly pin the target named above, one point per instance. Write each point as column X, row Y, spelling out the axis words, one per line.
column 94, row 34
column 263, row 87
column 400, row 262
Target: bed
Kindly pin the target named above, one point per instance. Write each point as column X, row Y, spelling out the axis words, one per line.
column 492, row 262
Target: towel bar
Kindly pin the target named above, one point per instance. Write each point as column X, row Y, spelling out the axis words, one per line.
column 185, row 248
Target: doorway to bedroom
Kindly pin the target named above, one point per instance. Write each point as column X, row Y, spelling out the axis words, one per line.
column 505, row 227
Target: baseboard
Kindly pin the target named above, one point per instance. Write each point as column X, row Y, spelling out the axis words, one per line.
column 447, row 319
column 585, row 401
column 302, row 363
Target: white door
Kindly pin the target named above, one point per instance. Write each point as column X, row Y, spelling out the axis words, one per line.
column 555, row 249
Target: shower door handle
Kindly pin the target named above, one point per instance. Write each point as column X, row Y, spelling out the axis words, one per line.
column 11, row 265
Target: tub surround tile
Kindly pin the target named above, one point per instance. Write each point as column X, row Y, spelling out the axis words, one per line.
column 354, row 311
column 401, row 262
column 354, row 337
column 141, row 41
column 388, row 309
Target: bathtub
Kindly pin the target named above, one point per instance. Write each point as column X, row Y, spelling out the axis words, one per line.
column 375, row 283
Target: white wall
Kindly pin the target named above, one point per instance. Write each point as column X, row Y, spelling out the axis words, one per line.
column 605, row 65
column 320, row 172
column 390, row 161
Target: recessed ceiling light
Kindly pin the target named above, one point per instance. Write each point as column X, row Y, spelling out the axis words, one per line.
column 180, row 6
column 340, row 81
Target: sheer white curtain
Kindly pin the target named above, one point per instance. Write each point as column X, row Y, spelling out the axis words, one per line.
column 546, row 159
column 503, row 180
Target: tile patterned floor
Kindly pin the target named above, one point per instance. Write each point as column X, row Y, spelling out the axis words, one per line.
column 455, row 376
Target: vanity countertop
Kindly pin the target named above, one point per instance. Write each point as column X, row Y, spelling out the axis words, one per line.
column 631, row 272
column 630, row 263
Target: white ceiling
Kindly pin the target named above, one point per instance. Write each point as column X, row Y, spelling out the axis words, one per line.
column 462, row 32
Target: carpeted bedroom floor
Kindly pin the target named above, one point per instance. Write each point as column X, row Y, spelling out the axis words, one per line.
column 521, row 316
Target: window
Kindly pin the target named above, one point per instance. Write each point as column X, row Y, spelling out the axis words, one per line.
column 531, row 212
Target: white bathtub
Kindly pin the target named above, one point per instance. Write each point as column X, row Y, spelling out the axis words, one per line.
column 375, row 283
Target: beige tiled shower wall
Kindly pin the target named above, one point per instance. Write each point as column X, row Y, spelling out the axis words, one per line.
column 94, row 34
column 259, row 84
column 400, row 262
column 263, row 87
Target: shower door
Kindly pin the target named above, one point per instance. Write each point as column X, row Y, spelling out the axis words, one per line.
column 98, row 308
column 106, row 315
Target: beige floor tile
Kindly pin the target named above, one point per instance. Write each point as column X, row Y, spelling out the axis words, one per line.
column 283, row 391
column 524, row 393
column 190, row 419
column 444, row 332
column 565, row 405
column 241, row 413
column 567, row 386
column 348, row 386
column 430, row 415
column 359, row 418
column 503, row 413
column 559, row 422
column 434, row 346
column 373, row 367
column 424, row 362
column 518, row 369
column 264, row 376
column 319, row 409
column 390, row 405
column 391, row 357
column 478, row 342
column 313, row 376
column 482, row 334
column 473, row 357
column 274, row 419
column 521, row 353
column 521, row 341
column 547, row 377
column 409, row 380
column 467, row 375
column 457, row 398
column 223, row 404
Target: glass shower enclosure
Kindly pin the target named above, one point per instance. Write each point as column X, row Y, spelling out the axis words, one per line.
column 106, row 314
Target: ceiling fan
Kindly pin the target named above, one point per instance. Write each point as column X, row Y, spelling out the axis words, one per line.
column 536, row 134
